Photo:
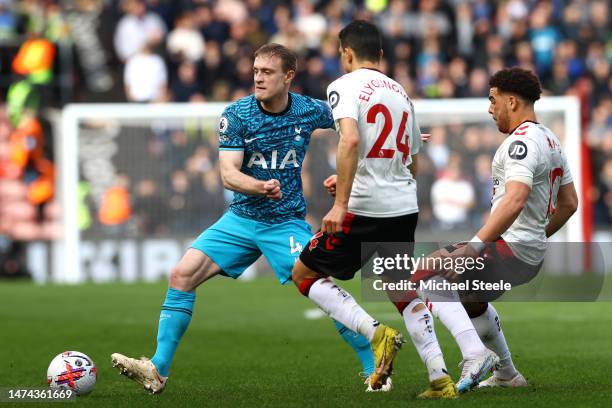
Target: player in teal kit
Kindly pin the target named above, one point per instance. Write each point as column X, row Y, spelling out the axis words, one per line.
column 262, row 142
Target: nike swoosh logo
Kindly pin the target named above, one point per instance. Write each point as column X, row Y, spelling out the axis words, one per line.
column 252, row 139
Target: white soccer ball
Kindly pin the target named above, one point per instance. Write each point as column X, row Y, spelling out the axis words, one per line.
column 72, row 370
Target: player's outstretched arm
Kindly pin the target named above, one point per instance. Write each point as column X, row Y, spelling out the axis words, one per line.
column 235, row 180
column 567, row 204
column 346, row 166
column 506, row 212
column 324, row 134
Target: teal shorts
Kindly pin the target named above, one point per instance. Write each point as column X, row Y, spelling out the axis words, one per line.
column 235, row 242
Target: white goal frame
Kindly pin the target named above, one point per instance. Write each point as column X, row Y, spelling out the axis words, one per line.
column 66, row 266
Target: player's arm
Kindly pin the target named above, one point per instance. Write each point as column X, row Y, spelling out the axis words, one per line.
column 346, row 160
column 506, row 212
column 504, row 215
column 346, row 166
column 567, row 204
column 413, row 166
column 230, row 162
column 324, row 134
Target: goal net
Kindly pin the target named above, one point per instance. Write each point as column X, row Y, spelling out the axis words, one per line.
column 138, row 182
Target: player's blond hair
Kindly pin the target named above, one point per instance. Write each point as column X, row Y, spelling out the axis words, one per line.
column 287, row 57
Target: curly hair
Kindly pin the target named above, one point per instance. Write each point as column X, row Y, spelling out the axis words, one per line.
column 519, row 81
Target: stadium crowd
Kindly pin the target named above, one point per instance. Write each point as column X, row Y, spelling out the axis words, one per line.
column 201, row 50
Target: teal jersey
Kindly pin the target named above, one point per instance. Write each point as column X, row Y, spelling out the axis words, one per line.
column 274, row 146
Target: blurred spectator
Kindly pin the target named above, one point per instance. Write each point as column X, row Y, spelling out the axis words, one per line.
column 483, row 186
column 603, row 202
column 186, row 83
column 544, row 37
column 313, row 80
column 452, row 198
column 232, row 11
column 8, row 21
column 150, row 208
column 184, row 41
column 437, row 149
column 310, row 24
column 435, row 49
column 137, row 29
column 478, row 83
column 145, row 77
column 115, row 207
column 600, row 20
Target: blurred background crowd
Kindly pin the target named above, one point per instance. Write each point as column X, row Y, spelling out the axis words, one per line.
column 58, row 51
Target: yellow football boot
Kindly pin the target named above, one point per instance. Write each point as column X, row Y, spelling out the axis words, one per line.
column 441, row 388
column 385, row 344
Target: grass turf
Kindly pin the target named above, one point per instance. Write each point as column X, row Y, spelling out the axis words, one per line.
column 250, row 345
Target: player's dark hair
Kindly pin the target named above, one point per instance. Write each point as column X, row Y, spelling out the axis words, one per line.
column 363, row 38
column 288, row 58
column 519, row 81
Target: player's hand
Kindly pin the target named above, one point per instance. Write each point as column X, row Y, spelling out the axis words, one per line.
column 272, row 189
column 462, row 251
column 330, row 184
column 332, row 222
column 425, row 137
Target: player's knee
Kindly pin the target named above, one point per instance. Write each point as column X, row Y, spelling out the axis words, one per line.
column 181, row 278
column 301, row 280
column 296, row 275
column 475, row 309
column 418, row 307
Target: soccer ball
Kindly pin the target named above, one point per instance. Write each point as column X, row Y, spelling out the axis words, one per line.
column 72, row 370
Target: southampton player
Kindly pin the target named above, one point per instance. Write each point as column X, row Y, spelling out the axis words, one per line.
column 533, row 198
column 375, row 201
column 262, row 142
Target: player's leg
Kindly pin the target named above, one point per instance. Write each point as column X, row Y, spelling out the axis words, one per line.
column 398, row 232
column 360, row 345
column 487, row 323
column 194, row 268
column 339, row 256
column 342, row 307
column 282, row 245
column 226, row 247
column 477, row 359
column 500, row 264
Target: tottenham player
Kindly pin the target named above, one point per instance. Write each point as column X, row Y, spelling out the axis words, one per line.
column 375, row 201
column 533, row 198
column 262, row 142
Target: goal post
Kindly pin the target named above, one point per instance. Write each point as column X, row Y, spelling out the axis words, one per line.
column 67, row 263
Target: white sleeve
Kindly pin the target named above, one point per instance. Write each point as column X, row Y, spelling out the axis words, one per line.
column 342, row 101
column 520, row 159
column 567, row 174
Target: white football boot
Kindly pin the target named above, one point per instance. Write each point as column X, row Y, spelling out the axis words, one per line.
column 142, row 371
column 494, row 381
column 473, row 370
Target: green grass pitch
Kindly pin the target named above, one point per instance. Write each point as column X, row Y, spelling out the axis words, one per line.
column 250, row 345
